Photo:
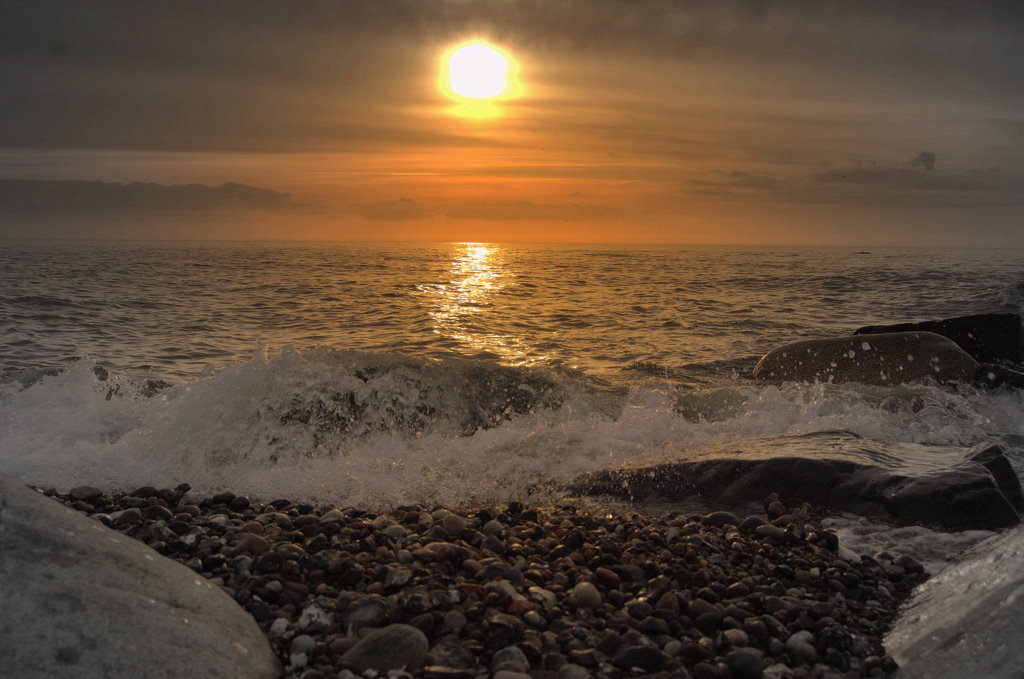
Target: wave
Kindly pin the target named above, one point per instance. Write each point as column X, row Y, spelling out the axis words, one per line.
column 378, row 429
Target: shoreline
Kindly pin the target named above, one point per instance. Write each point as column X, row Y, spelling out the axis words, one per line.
column 576, row 592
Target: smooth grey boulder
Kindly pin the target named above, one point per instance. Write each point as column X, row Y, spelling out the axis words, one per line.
column 79, row 600
column 883, row 359
column 986, row 337
column 944, row 487
column 966, row 621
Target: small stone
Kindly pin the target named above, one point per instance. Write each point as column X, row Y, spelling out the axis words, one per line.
column 505, row 674
column 314, row 619
column 387, row 648
column 744, row 664
column 127, row 517
column 278, row 628
column 510, row 653
column 718, row 519
column 775, row 509
column 494, row 528
column 454, row 524
column 668, row 602
column 797, row 638
column 333, row 516
column 708, row 622
column 737, row 637
column 805, row 652
column 645, row 657
column 585, row 595
column 770, row 531
column 303, row 643
column 603, row 576
column 250, row 543
column 85, row 493
column 573, row 671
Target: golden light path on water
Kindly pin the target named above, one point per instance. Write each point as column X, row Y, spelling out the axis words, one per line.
column 460, row 308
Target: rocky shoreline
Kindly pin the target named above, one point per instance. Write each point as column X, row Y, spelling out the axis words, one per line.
column 559, row 592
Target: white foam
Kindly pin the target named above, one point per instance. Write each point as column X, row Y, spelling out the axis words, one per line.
column 373, row 429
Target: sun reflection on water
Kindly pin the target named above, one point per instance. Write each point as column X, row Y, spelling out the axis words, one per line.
column 461, row 308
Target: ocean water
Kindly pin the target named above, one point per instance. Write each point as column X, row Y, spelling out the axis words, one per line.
column 376, row 374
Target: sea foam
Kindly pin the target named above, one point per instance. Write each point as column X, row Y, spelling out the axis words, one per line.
column 377, row 429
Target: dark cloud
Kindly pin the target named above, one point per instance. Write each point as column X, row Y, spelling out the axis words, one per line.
column 35, row 196
column 242, row 75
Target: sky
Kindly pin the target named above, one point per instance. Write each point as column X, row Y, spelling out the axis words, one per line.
column 630, row 121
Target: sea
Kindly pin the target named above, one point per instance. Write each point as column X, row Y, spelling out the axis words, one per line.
column 380, row 374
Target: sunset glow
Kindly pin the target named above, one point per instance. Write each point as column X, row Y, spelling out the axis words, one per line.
column 589, row 120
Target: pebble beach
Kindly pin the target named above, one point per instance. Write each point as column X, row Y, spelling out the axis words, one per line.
column 550, row 592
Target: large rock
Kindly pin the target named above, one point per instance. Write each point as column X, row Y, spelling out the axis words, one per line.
column 885, row 359
column 945, row 487
column 79, row 600
column 967, row 620
column 986, row 337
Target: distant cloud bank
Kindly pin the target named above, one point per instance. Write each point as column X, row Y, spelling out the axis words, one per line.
column 89, row 197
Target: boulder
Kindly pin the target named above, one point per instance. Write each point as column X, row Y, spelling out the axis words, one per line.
column 885, row 359
column 943, row 487
column 966, row 621
column 80, row 600
column 986, row 337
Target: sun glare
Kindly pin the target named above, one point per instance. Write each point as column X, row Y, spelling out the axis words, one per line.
column 476, row 74
column 477, row 71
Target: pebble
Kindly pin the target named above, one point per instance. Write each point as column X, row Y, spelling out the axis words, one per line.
column 585, row 595
column 387, row 648
column 553, row 593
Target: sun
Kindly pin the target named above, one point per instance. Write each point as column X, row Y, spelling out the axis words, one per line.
column 478, row 77
column 477, row 71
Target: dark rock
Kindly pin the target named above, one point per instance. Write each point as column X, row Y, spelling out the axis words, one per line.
column 883, row 359
column 992, row 376
column 644, row 657
column 744, row 664
column 945, row 487
column 85, row 493
column 720, row 519
column 986, row 337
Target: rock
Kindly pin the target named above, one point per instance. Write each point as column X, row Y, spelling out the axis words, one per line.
column 645, row 657
column 585, row 595
column 85, row 493
column 884, row 359
column 387, row 648
column 744, row 664
column 720, row 519
column 945, row 487
column 80, row 600
column 454, row 524
column 368, row 612
column 992, row 376
column 963, row 621
column 986, row 337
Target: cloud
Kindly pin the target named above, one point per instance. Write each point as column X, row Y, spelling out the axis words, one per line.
column 734, row 182
column 528, row 210
column 396, row 210
column 72, row 196
column 925, row 159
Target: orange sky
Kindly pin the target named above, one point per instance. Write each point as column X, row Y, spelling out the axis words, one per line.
column 633, row 121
